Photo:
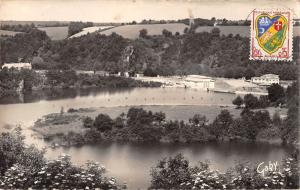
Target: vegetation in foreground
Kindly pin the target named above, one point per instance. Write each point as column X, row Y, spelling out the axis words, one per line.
column 176, row 173
column 23, row 167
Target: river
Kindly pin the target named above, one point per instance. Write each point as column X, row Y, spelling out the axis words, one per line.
column 131, row 163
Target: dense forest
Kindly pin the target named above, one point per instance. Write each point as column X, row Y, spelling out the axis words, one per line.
column 207, row 53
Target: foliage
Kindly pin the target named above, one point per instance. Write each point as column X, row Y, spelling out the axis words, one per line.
column 68, row 79
column 170, row 173
column 75, row 27
column 24, row 167
column 238, row 101
column 275, row 92
column 88, row 122
column 59, row 174
column 176, row 173
column 220, row 126
column 143, row 33
column 251, row 101
column 103, row 122
column 166, row 33
column 198, row 120
column 13, row 150
column 22, row 45
column 18, row 27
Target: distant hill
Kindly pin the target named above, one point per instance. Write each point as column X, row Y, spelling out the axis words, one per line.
column 36, row 23
column 132, row 31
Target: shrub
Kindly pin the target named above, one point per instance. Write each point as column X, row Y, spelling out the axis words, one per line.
column 88, row 122
column 250, row 101
column 103, row 122
column 238, row 101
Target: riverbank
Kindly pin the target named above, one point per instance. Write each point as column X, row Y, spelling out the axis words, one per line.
column 67, row 129
column 225, row 85
column 18, row 82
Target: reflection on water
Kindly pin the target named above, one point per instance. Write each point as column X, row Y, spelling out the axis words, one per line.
column 132, row 162
column 56, row 94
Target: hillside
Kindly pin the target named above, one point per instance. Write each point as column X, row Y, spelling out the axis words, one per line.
column 206, row 53
column 132, row 31
column 87, row 30
column 56, row 33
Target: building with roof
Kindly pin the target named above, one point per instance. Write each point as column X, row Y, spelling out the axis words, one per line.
column 18, row 66
column 199, row 82
column 266, row 80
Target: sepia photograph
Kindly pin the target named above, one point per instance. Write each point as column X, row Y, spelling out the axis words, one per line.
column 149, row 94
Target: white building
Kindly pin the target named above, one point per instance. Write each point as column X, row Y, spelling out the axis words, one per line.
column 200, row 82
column 18, row 66
column 266, row 80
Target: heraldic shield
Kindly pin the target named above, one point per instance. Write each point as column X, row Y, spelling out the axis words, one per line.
column 271, row 32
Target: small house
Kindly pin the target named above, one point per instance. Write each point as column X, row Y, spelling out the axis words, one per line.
column 266, row 80
column 18, row 66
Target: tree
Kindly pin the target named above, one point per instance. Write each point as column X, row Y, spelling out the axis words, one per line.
column 275, row 93
column 169, row 174
column 88, row 122
column 143, row 33
column 215, row 32
column 238, row 101
column 249, row 73
column 263, row 101
column 198, row 120
column 119, row 122
column 220, row 126
column 149, row 72
column 166, row 33
column 250, row 101
column 186, row 30
column 276, row 119
column 103, row 122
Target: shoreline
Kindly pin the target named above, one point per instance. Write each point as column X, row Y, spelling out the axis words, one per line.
column 69, row 128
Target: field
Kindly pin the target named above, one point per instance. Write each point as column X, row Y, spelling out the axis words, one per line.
column 132, row 31
column 243, row 31
column 8, row 33
column 56, row 33
column 87, row 30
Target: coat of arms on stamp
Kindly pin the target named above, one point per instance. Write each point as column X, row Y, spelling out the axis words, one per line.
column 271, row 35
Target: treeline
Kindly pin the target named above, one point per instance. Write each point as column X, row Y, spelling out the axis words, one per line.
column 25, row 167
column 23, row 45
column 167, row 54
column 12, row 79
column 75, row 27
column 17, row 27
column 139, row 125
column 69, row 79
column 241, row 176
column 93, row 52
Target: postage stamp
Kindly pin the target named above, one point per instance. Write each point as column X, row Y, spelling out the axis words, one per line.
column 271, row 35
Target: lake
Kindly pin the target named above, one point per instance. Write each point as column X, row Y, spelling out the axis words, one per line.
column 131, row 162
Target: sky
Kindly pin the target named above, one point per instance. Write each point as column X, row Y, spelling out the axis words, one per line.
column 129, row 10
